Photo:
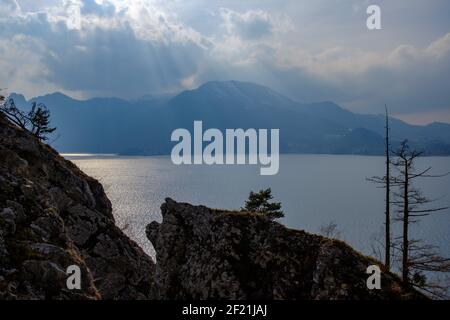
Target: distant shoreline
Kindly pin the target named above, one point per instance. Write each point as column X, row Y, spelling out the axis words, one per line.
column 106, row 155
column 89, row 154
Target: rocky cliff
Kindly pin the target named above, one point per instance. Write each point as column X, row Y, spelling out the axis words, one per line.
column 204, row 253
column 52, row 216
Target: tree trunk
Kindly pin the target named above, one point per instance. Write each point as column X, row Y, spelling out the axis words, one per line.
column 387, row 261
column 405, row 267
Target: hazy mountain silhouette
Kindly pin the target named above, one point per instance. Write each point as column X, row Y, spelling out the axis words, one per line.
column 143, row 126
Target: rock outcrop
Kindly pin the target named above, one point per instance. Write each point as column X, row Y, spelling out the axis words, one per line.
column 204, row 253
column 52, row 216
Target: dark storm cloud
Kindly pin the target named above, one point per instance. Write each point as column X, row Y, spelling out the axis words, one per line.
column 116, row 61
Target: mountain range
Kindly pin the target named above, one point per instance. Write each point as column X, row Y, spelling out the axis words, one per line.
column 143, row 126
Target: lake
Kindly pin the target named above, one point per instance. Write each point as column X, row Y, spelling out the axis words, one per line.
column 314, row 190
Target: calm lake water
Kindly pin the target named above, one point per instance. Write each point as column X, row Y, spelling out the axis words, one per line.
column 313, row 189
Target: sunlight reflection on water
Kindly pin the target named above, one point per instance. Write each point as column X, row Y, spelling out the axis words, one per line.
column 313, row 189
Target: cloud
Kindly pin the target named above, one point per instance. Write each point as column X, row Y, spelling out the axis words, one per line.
column 15, row 52
column 8, row 7
column 99, row 8
column 249, row 25
column 409, row 78
column 83, row 47
column 123, row 63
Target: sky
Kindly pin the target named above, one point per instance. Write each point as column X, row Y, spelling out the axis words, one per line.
column 308, row 50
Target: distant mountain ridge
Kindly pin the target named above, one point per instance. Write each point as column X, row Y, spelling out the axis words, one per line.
column 143, row 126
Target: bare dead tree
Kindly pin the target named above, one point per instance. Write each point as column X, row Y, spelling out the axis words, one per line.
column 417, row 257
column 385, row 182
column 330, row 230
